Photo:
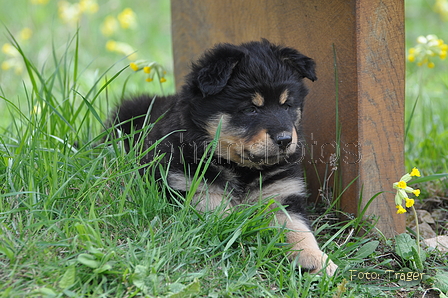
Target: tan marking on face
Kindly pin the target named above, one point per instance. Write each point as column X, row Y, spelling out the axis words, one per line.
column 261, row 144
column 283, row 96
column 292, row 147
column 260, row 137
column 255, row 152
column 258, row 100
column 230, row 146
column 299, row 117
column 294, row 141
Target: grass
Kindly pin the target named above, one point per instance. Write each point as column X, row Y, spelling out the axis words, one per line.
column 427, row 139
column 78, row 220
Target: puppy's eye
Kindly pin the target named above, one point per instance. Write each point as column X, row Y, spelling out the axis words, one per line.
column 250, row 110
column 286, row 106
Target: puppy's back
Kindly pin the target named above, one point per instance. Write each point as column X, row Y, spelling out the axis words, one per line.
column 132, row 112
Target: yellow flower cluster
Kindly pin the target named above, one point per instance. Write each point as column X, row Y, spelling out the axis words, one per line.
column 121, row 48
column 109, row 26
column 150, row 68
column 126, row 19
column 426, row 49
column 14, row 60
column 403, row 189
column 441, row 7
column 71, row 13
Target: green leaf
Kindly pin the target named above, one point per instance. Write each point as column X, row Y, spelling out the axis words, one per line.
column 233, row 239
column 96, row 252
column 9, row 253
column 441, row 281
column 367, row 249
column 68, row 279
column 188, row 291
column 138, row 278
column 88, row 260
column 104, row 268
column 45, row 292
column 417, row 259
column 403, row 246
column 429, row 178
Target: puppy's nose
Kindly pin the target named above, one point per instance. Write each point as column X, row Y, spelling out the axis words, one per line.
column 283, row 140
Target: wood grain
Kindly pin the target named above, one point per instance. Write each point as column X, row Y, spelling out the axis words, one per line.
column 368, row 37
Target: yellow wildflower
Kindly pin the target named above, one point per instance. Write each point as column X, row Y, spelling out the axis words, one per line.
column 15, row 61
column 133, row 66
column 402, row 184
column 121, row 48
column 6, row 65
column 409, row 202
column 400, row 210
column 25, row 34
column 403, row 189
column 7, row 48
column 69, row 13
column 441, row 7
column 149, row 68
column 127, row 18
column 111, row 45
column 109, row 26
column 427, row 47
column 88, row 6
column 415, row 172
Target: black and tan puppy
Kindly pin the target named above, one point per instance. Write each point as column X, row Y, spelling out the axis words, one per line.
column 254, row 93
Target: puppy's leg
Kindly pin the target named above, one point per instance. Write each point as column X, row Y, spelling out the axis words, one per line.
column 206, row 197
column 304, row 244
column 209, row 201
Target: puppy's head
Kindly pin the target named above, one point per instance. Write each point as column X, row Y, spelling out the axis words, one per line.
column 256, row 92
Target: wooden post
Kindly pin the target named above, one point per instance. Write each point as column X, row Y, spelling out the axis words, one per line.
column 368, row 39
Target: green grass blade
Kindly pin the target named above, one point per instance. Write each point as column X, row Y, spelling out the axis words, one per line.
column 429, row 178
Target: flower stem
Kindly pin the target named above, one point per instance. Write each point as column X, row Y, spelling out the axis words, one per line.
column 417, row 230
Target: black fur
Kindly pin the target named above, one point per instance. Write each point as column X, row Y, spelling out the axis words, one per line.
column 254, row 92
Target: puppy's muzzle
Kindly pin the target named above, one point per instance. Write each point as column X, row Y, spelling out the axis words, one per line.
column 283, row 139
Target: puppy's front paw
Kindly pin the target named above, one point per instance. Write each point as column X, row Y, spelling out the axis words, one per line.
column 315, row 260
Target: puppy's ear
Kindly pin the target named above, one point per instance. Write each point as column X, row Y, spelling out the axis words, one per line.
column 303, row 64
column 218, row 65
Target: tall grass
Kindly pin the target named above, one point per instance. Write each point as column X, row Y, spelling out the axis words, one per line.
column 77, row 218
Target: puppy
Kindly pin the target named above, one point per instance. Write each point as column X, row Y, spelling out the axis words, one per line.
column 250, row 99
